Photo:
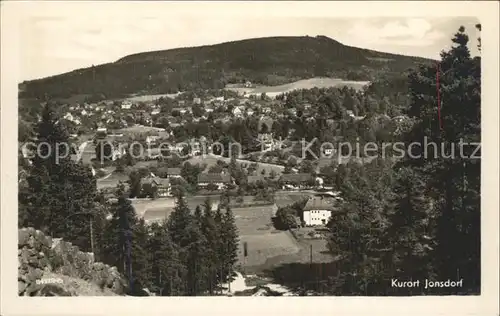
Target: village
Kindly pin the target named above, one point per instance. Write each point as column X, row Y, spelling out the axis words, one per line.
column 281, row 202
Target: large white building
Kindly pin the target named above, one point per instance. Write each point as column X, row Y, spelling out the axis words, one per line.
column 318, row 211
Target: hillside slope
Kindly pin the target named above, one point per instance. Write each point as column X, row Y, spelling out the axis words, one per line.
column 270, row 61
column 50, row 267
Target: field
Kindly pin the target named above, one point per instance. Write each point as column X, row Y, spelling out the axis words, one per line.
column 150, row 97
column 318, row 82
column 138, row 129
column 266, row 246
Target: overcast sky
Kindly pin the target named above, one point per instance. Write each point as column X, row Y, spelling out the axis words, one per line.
column 54, row 45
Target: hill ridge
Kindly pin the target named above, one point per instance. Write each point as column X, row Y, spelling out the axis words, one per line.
column 266, row 60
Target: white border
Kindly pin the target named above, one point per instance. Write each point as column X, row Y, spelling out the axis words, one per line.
column 484, row 305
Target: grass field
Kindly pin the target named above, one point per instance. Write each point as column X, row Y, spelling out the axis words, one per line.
column 266, row 246
column 318, row 82
column 151, row 97
column 137, row 129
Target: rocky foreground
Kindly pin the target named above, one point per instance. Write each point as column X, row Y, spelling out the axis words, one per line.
column 53, row 267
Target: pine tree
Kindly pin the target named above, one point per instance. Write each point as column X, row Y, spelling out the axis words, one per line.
column 211, row 235
column 229, row 244
column 166, row 269
column 411, row 232
column 454, row 183
column 185, row 232
column 117, row 239
column 59, row 197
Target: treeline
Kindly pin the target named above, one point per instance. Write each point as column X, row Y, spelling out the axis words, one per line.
column 192, row 253
column 419, row 218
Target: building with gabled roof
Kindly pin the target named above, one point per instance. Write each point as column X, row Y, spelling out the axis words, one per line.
column 318, row 211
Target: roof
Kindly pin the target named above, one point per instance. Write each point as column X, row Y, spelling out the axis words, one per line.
column 174, row 171
column 296, row 177
column 213, row 177
column 154, row 180
column 319, row 204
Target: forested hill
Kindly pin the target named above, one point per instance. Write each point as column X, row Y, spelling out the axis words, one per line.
column 270, row 61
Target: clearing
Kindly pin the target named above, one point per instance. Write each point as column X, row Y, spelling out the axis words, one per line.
column 318, row 82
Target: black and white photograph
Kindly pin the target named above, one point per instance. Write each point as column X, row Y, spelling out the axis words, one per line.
column 251, row 155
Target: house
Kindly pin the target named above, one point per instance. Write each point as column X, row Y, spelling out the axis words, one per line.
column 101, row 132
column 218, row 179
column 68, row 116
column 155, row 112
column 328, row 151
column 152, row 140
column 180, row 110
column 297, row 181
column 173, row 173
column 118, row 152
column 266, row 110
column 266, row 141
column 197, row 100
column 237, row 111
column 352, row 115
column 317, row 211
column 250, row 112
column 169, row 173
column 209, row 109
column 126, row 105
column 161, row 186
column 248, row 84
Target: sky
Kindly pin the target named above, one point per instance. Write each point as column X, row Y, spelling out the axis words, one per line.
column 51, row 45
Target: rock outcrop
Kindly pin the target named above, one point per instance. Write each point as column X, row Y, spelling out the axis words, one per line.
column 57, row 268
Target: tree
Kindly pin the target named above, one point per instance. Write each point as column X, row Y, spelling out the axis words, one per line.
column 210, row 231
column 454, row 183
column 118, row 234
column 135, row 184
column 228, row 245
column 285, row 219
column 166, row 270
column 57, row 189
column 411, row 227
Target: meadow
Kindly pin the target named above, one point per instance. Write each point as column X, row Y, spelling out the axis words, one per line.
column 317, row 82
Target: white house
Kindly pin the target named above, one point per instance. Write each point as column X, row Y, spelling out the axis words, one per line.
column 126, row 105
column 266, row 110
column 219, row 181
column 152, row 140
column 317, row 211
column 237, row 111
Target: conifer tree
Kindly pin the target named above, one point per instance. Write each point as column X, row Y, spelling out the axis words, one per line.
column 211, row 234
column 166, row 270
column 452, row 180
column 229, row 239
column 59, row 196
column 117, row 234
